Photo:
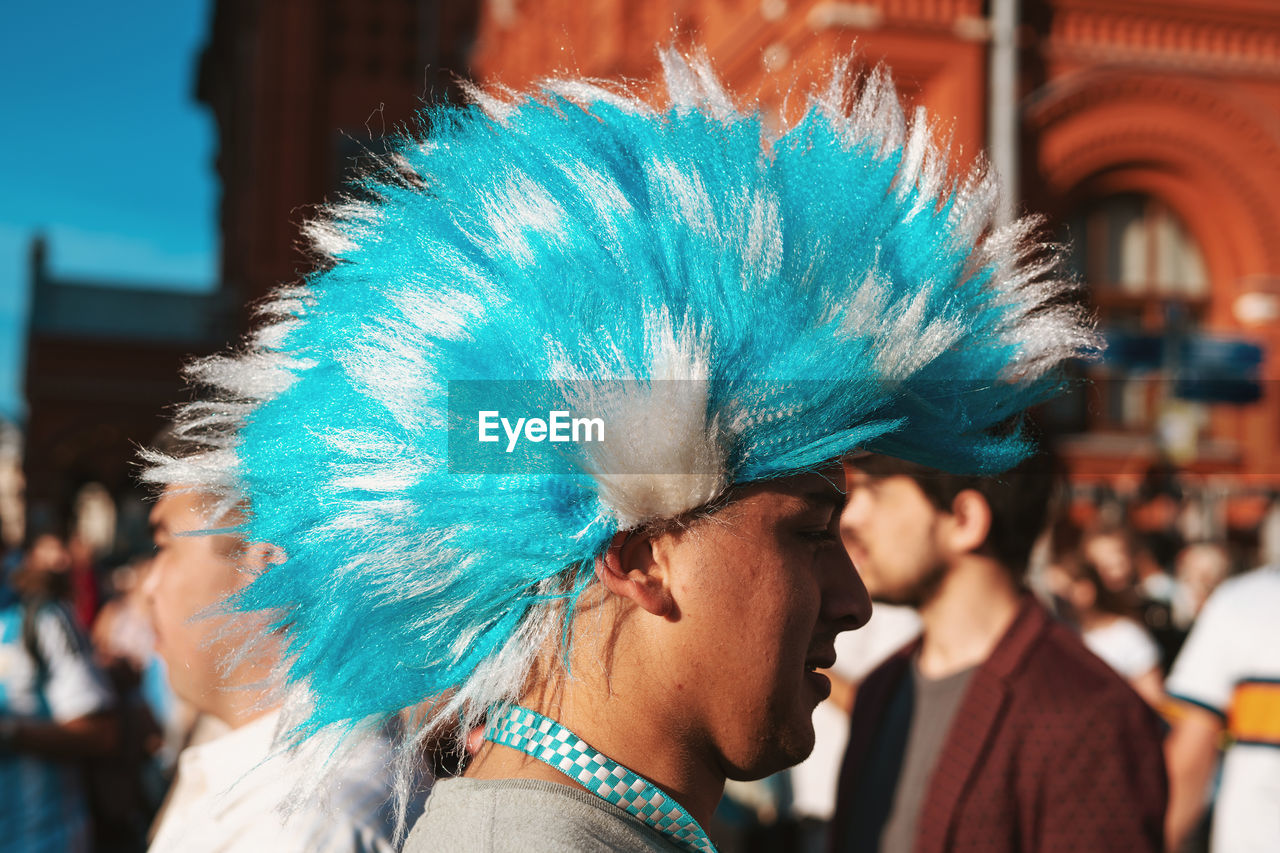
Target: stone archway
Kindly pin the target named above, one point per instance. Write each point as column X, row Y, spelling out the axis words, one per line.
column 1207, row 151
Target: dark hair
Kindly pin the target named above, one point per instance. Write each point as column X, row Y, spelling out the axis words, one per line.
column 1019, row 500
column 1078, row 567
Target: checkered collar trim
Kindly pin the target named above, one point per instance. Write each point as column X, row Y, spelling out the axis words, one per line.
column 554, row 745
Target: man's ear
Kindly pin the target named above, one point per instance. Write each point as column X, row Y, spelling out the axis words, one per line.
column 257, row 557
column 970, row 522
column 632, row 570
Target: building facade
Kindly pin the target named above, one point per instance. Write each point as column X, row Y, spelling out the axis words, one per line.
column 1147, row 133
column 103, row 371
column 301, row 92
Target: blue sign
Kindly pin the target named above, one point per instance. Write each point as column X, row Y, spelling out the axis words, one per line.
column 1218, row 370
column 1204, row 369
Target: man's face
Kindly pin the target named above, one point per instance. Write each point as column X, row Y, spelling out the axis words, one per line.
column 48, row 554
column 762, row 587
column 890, row 529
column 1110, row 555
column 1200, row 569
column 188, row 575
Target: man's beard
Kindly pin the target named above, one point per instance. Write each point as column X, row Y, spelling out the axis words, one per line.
column 917, row 592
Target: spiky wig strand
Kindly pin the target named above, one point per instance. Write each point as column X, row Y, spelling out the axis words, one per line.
column 578, row 235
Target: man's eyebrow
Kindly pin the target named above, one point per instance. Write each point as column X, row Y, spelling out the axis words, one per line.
column 825, row 497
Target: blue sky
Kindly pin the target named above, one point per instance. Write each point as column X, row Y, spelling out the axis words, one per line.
column 104, row 150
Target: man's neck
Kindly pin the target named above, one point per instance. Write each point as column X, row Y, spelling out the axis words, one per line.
column 243, row 697
column 966, row 617
column 619, row 724
column 239, row 717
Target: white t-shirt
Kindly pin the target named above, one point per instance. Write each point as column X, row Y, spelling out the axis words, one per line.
column 813, row 782
column 229, row 791
column 42, row 807
column 1230, row 665
column 1125, row 646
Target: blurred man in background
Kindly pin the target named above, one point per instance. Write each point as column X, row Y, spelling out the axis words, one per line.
column 1227, row 679
column 1200, row 568
column 54, row 708
column 997, row 730
column 229, row 791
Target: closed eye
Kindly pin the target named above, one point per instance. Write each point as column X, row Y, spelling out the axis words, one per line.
column 825, row 534
column 826, row 530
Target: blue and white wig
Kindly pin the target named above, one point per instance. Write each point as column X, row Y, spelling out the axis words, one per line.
column 574, row 235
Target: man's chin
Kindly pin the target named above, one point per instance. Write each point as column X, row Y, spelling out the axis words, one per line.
column 778, row 755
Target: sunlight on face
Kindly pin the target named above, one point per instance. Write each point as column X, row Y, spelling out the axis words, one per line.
column 190, row 576
column 764, row 585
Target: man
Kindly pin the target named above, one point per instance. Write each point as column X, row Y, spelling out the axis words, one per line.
column 548, row 443
column 1226, row 680
column 733, row 694
column 229, row 791
column 996, row 729
column 54, row 707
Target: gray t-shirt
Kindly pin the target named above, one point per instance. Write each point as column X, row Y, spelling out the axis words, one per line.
column 526, row 816
column 935, row 706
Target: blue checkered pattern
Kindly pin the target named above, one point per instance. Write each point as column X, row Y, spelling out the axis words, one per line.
column 553, row 744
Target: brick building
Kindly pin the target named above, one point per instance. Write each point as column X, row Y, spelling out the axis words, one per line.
column 103, row 369
column 300, row 91
column 1147, row 132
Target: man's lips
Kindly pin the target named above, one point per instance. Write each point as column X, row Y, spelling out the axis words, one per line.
column 820, row 662
column 821, row 659
column 818, row 682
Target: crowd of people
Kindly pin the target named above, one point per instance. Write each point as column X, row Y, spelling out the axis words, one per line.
column 100, row 720
column 1131, row 592
column 127, row 724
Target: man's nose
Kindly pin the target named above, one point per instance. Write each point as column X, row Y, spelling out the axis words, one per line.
column 149, row 579
column 848, row 600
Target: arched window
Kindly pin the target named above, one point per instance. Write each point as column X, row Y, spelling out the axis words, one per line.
column 1133, row 246
column 1146, row 278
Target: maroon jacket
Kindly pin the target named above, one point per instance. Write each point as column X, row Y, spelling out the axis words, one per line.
column 1049, row 751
